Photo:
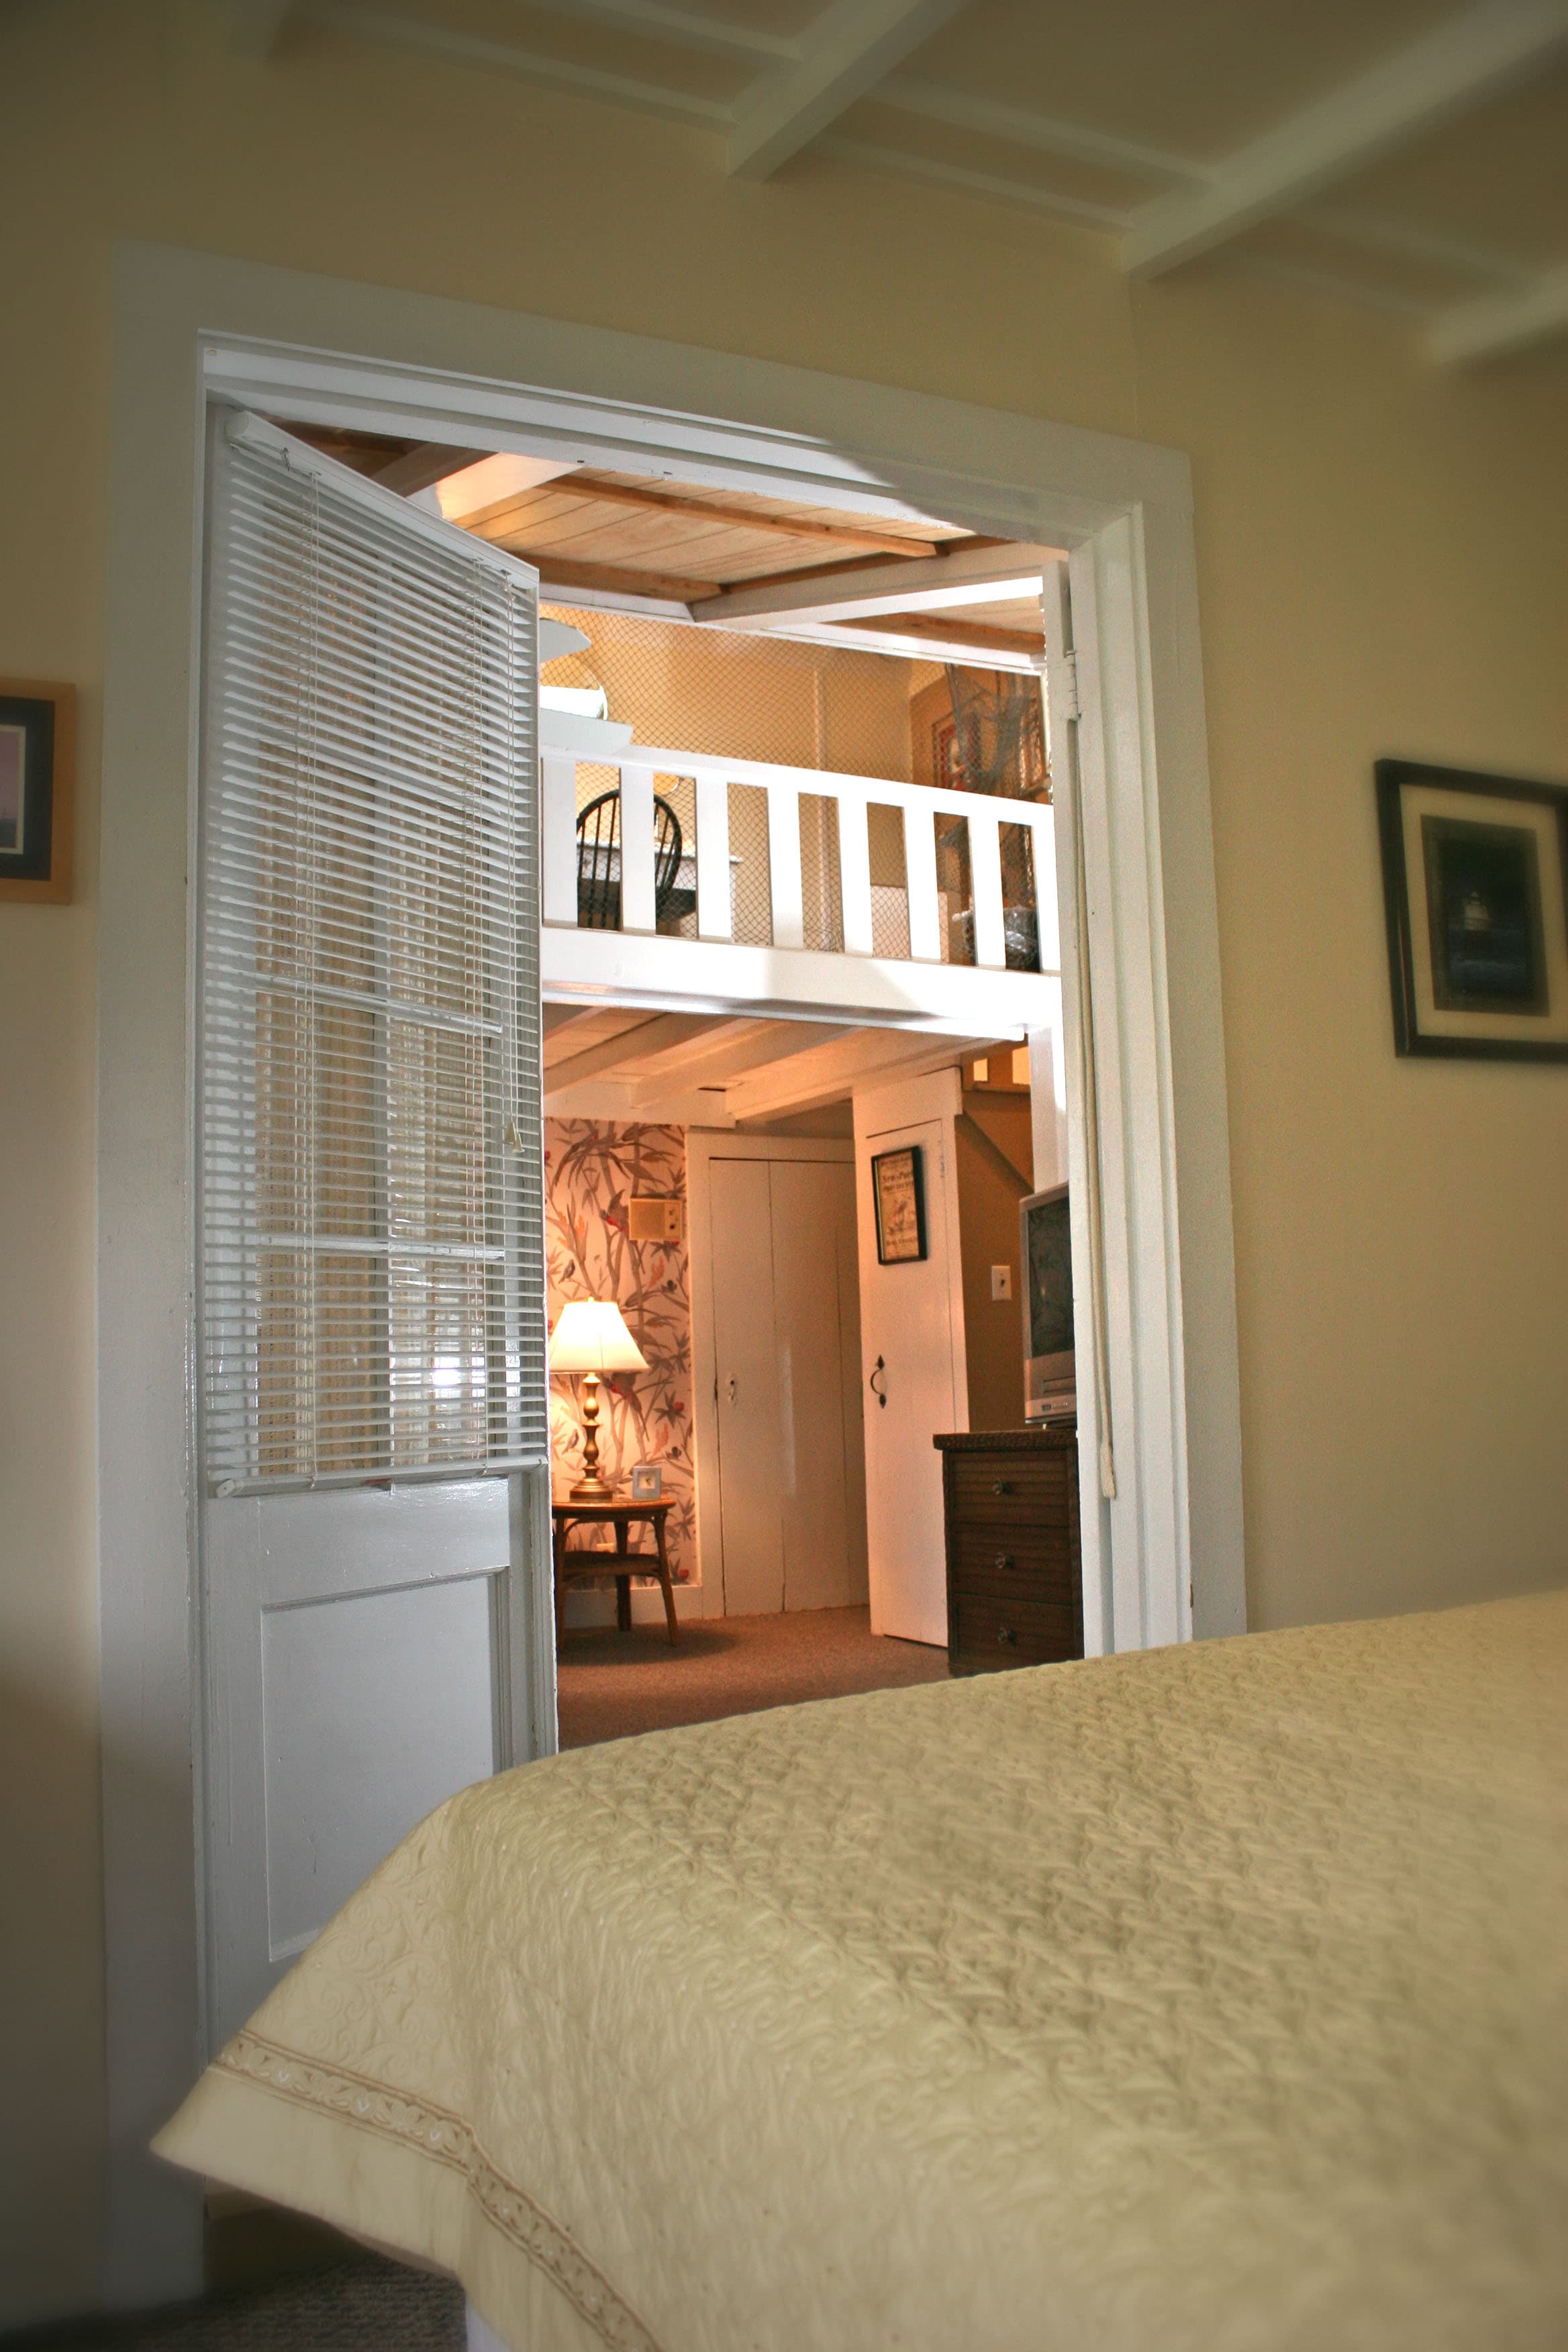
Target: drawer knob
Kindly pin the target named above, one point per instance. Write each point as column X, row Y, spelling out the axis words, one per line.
column 1003, row 1487
column 1005, row 1635
column 1004, row 1559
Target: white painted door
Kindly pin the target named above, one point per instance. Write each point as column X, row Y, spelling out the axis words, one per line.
column 373, row 1430
column 785, row 1331
column 911, row 1356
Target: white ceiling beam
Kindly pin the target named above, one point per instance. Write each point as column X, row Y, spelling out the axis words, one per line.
column 934, row 102
column 639, row 1044
column 1496, row 324
column 810, row 1081
column 253, row 26
column 769, row 1044
column 707, row 36
column 452, row 48
column 967, row 576
column 1464, row 61
column 849, row 47
column 887, row 639
column 932, row 172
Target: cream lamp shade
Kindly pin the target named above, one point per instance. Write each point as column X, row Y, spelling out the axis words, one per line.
column 591, row 1337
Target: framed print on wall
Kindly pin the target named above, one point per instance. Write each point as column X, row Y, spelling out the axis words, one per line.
column 37, row 744
column 1475, row 876
column 898, row 1190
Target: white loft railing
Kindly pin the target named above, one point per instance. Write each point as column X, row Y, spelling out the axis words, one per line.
column 707, row 869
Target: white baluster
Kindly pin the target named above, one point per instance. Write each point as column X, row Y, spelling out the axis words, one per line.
column 714, row 914
column 986, row 883
column 784, row 866
column 919, row 873
column 638, row 910
column 855, row 874
column 1043, row 825
column 558, row 825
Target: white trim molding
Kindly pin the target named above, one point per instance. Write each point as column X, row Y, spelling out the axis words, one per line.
column 187, row 325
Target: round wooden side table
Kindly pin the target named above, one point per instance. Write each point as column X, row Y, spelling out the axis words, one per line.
column 623, row 1564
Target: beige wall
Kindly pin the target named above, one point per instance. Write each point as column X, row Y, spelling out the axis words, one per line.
column 1383, row 556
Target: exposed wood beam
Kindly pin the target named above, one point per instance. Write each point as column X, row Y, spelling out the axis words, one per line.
column 638, row 1044
column 1461, row 63
column 1496, row 324
column 956, row 645
column 253, row 26
column 822, row 534
column 850, row 46
column 980, row 634
column 560, row 571
column 958, row 577
column 427, row 462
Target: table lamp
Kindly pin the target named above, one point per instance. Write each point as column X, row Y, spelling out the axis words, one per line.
column 591, row 1337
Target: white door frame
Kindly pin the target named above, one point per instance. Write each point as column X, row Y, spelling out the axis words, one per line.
column 703, row 1146
column 184, row 324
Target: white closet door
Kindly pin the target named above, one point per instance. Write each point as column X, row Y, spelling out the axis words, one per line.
column 373, row 1409
column 783, row 1283
column 816, row 1336
column 750, row 1464
column 912, row 1354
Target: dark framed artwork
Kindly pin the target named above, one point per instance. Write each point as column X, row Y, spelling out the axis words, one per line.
column 898, row 1190
column 1475, row 878
column 37, row 745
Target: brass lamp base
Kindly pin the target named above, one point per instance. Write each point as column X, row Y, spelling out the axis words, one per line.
column 590, row 1486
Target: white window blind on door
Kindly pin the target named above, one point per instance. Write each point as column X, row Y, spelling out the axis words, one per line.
column 371, row 1275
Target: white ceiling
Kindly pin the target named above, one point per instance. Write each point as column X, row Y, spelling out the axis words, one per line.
column 1408, row 154
column 722, row 1070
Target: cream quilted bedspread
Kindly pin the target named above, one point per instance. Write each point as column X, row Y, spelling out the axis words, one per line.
column 1209, row 2000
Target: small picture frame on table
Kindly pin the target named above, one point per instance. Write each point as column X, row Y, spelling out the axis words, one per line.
column 647, row 1482
column 38, row 746
column 898, row 1191
column 1475, row 876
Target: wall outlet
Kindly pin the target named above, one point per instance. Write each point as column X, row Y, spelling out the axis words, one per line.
column 650, row 1220
column 1001, row 1281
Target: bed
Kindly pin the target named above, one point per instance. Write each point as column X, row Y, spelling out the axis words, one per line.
column 1206, row 1998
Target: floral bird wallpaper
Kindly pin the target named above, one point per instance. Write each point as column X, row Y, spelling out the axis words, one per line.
column 593, row 1168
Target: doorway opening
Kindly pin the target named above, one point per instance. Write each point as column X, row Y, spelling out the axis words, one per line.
column 708, row 1163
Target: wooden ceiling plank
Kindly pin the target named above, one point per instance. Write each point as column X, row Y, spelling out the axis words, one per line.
column 945, row 628
column 786, row 526
column 561, row 572
column 426, row 463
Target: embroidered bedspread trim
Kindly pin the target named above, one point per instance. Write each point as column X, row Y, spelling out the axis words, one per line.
column 1202, row 2000
column 444, row 2139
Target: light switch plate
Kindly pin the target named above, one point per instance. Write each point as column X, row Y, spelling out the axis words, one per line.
column 1001, row 1281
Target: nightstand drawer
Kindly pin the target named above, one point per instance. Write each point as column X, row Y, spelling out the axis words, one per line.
column 1019, row 1489
column 1032, row 1564
column 990, row 1632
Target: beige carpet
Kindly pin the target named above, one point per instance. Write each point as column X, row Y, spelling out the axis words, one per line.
column 363, row 2304
column 612, row 1684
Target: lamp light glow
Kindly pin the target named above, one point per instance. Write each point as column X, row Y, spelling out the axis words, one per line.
column 590, row 1339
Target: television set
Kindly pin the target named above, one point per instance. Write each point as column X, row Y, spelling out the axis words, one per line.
column 1045, row 1254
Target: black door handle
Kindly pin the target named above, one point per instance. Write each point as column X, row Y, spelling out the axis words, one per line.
column 879, row 1394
